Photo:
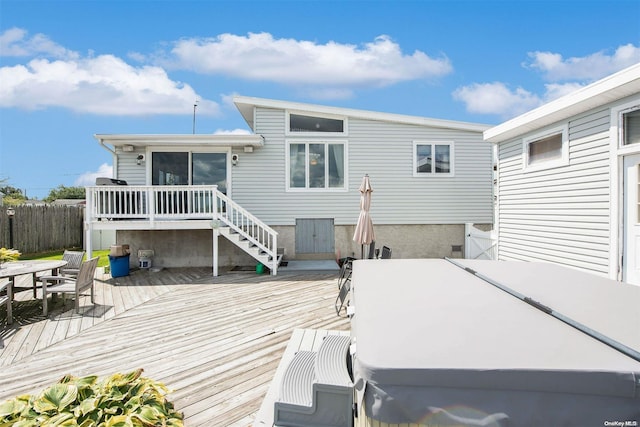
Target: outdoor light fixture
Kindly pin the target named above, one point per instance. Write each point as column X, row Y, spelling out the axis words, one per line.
column 11, row 213
column 140, row 159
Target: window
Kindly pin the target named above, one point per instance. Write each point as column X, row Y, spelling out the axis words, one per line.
column 631, row 127
column 185, row 168
column 432, row 158
column 316, row 165
column 546, row 150
column 301, row 123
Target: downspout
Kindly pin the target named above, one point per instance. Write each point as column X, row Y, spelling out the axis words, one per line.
column 89, row 204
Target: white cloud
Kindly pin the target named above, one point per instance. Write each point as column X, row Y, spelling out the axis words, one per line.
column 557, row 90
column 496, row 98
column 103, row 84
column 566, row 75
column 89, row 178
column 586, row 68
column 260, row 57
column 232, row 132
column 14, row 42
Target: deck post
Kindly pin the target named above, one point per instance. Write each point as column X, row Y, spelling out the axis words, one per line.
column 88, row 241
column 216, row 233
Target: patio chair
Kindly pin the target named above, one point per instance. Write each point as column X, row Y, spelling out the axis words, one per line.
column 372, row 250
column 74, row 260
column 345, row 270
column 342, row 300
column 69, row 285
column 386, row 252
column 344, row 285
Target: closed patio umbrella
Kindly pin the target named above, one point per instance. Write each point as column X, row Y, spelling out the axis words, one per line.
column 364, row 234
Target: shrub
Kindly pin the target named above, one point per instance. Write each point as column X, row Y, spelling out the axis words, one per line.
column 121, row 400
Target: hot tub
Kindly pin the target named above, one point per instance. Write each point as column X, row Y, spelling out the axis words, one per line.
column 437, row 345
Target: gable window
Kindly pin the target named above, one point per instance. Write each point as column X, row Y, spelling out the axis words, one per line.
column 431, row 158
column 546, row 150
column 314, row 124
column 316, row 165
column 631, row 127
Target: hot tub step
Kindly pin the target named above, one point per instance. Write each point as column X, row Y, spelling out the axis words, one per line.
column 316, row 388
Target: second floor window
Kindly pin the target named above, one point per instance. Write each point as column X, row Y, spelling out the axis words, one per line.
column 316, row 165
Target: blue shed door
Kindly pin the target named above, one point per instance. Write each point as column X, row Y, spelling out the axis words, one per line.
column 315, row 236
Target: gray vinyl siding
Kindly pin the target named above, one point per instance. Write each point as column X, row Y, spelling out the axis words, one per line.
column 384, row 150
column 128, row 169
column 560, row 214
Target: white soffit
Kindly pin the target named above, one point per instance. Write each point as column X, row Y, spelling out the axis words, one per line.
column 181, row 140
column 610, row 89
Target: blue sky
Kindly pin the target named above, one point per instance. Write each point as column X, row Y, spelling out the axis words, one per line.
column 72, row 69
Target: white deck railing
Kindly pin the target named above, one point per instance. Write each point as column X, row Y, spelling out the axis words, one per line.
column 151, row 202
column 171, row 202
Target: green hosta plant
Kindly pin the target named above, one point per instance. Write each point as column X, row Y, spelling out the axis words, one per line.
column 121, row 400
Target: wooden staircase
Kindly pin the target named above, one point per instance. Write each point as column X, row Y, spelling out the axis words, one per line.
column 243, row 242
column 248, row 233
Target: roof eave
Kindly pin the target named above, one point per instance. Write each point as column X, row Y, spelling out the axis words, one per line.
column 610, row 89
column 117, row 140
column 246, row 106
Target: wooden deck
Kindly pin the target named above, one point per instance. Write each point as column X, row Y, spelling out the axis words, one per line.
column 215, row 341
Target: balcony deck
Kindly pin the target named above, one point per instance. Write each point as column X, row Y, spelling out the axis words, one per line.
column 216, row 341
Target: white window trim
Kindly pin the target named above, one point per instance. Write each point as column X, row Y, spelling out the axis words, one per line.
column 433, row 173
column 562, row 161
column 165, row 149
column 287, row 151
column 620, row 113
column 617, row 151
column 287, row 131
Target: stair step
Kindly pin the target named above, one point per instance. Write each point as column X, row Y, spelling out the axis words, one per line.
column 316, row 388
column 297, row 384
column 331, row 362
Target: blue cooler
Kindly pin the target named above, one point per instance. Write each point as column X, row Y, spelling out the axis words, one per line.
column 119, row 265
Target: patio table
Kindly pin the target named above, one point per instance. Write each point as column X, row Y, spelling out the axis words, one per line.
column 436, row 344
column 11, row 270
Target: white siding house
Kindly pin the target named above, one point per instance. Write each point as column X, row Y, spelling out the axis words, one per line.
column 298, row 174
column 568, row 180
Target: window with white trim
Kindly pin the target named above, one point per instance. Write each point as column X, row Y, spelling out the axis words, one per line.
column 432, row 158
column 316, row 165
column 189, row 168
column 546, row 150
column 631, row 127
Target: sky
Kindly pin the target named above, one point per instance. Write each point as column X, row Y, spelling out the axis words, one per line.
column 73, row 69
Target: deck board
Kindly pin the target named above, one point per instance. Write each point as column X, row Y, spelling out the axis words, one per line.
column 216, row 342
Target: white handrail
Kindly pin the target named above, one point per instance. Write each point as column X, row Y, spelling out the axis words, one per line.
column 249, row 226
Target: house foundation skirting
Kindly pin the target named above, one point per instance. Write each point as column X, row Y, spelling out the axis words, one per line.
column 193, row 248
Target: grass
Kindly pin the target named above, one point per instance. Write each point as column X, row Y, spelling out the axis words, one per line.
column 56, row 255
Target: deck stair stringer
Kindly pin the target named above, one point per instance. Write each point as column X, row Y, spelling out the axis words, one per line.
column 316, row 388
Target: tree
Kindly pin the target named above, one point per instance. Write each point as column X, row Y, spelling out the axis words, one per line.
column 62, row 192
column 10, row 191
column 12, row 196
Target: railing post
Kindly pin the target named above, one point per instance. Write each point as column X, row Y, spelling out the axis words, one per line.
column 89, row 215
column 151, row 204
column 274, row 261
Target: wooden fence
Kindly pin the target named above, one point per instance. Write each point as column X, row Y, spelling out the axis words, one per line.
column 43, row 228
